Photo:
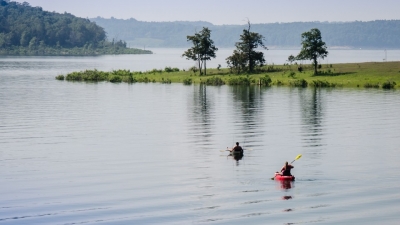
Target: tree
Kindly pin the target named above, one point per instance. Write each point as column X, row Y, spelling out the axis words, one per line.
column 237, row 61
column 203, row 49
column 291, row 59
column 246, row 50
column 312, row 47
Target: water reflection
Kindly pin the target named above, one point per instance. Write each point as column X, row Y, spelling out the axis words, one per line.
column 200, row 114
column 248, row 108
column 312, row 112
column 285, row 184
column 236, row 157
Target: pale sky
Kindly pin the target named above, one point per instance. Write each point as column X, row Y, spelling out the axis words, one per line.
column 221, row 12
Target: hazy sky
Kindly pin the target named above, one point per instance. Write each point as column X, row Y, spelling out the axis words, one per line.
column 228, row 11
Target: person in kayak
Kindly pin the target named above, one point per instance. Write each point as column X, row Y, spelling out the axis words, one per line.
column 237, row 148
column 285, row 171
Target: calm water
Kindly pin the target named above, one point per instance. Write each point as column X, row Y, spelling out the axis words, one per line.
column 85, row 153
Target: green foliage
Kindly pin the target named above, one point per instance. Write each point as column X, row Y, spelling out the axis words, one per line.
column 203, row 49
column 154, row 71
column 245, row 56
column 187, row 81
column 298, row 83
column 166, row 81
column 27, row 30
column 216, row 81
column 292, row 74
column 273, row 68
column 240, row 80
column 279, row 83
column 291, row 59
column 115, row 79
column 313, row 47
column 193, row 69
column 388, row 85
column 143, row 79
column 372, row 74
column 369, row 85
column 170, row 70
column 60, row 77
column 321, row 83
column 265, row 80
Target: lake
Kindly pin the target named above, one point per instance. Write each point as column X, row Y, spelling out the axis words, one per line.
column 103, row 153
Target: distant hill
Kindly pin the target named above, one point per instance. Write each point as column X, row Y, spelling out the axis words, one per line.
column 26, row 30
column 357, row 34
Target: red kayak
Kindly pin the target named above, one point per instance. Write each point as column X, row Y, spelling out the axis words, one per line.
column 278, row 176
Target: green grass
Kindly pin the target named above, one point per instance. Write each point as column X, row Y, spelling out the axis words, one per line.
column 374, row 74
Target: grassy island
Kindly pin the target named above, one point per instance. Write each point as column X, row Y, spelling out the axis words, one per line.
column 364, row 75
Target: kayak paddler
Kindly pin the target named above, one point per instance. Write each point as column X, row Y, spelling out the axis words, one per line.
column 285, row 171
column 237, row 148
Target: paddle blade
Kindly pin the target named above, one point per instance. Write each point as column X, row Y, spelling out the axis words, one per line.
column 298, row 157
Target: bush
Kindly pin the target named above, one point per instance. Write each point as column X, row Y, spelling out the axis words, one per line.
column 165, row 81
column 265, row 81
column 115, row 79
column 60, row 77
column 369, row 85
column 320, row 83
column 143, row 79
column 389, row 85
column 292, row 74
column 214, row 81
column 239, row 81
column 194, row 69
column 153, row 71
column 279, row 83
column 187, row 81
column 298, row 83
column 169, row 69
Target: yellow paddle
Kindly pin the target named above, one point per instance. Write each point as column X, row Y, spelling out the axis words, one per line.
column 297, row 157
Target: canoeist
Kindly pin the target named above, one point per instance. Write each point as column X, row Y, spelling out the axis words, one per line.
column 237, row 148
column 285, row 171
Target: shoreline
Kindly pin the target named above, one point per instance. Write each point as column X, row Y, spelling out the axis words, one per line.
column 368, row 74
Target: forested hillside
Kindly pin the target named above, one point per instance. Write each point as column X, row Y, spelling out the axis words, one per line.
column 26, row 30
column 357, row 34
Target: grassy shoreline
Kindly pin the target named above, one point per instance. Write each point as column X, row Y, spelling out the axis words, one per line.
column 368, row 75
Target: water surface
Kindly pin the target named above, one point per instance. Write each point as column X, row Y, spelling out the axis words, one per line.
column 102, row 153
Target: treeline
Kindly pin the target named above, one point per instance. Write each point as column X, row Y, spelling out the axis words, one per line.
column 357, row 34
column 26, row 30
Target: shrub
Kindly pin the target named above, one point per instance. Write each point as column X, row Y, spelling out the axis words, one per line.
column 320, row 83
column 214, row 81
column 169, row 69
column 389, row 85
column 129, row 79
column 165, row 81
column 155, row 71
column 115, row 79
column 60, row 77
column 240, row 81
column 279, row 83
column 187, row 81
column 369, row 85
column 265, row 81
column 298, row 83
column 194, row 69
column 292, row 74
column 143, row 79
